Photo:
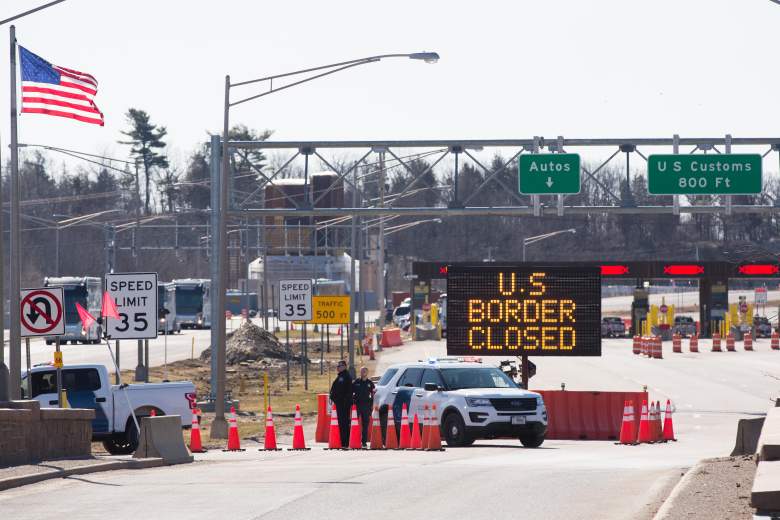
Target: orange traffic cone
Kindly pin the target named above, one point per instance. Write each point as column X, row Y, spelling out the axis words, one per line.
column 299, row 442
column 627, row 433
column 651, row 417
column 659, row 425
column 668, row 426
column 334, row 438
column 391, row 438
column 406, row 436
column 233, row 444
column 426, row 427
column 644, row 425
column 270, row 433
column 416, row 443
column 434, row 436
column 195, row 444
column 376, row 431
column 355, row 436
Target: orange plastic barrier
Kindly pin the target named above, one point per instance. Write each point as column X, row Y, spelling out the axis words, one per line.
column 577, row 415
column 391, row 338
column 775, row 341
column 323, row 419
column 730, row 346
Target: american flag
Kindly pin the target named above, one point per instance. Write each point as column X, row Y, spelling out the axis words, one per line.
column 57, row 91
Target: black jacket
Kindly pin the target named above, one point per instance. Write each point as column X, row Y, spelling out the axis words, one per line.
column 363, row 392
column 341, row 389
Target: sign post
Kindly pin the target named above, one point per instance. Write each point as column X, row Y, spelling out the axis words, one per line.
column 295, row 304
column 549, row 173
column 41, row 313
column 729, row 174
column 136, row 301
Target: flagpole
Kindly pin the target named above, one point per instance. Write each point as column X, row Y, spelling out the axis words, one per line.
column 15, row 357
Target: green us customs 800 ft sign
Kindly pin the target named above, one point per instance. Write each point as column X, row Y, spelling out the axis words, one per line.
column 732, row 174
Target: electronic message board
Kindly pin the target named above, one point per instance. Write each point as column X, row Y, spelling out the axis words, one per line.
column 523, row 309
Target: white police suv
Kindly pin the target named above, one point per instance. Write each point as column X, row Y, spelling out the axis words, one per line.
column 473, row 401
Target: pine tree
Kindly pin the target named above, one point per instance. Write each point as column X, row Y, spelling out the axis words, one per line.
column 145, row 139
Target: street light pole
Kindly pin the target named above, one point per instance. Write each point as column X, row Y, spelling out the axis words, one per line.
column 219, row 426
column 538, row 238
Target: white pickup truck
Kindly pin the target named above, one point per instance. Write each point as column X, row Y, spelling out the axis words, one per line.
column 88, row 386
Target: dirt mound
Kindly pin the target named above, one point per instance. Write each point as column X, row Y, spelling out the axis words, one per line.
column 251, row 343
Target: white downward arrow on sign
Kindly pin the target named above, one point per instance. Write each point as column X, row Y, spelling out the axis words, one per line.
column 549, row 182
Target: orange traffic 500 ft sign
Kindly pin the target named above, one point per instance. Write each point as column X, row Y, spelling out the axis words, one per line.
column 330, row 310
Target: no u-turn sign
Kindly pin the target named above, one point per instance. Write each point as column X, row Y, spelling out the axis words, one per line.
column 41, row 312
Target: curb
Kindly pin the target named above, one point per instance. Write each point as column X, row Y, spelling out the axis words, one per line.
column 668, row 505
column 13, row 482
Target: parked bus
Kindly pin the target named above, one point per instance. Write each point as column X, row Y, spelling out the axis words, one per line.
column 193, row 303
column 87, row 291
column 236, row 301
column 166, row 299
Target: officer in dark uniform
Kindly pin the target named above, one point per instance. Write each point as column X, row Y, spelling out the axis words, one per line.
column 341, row 396
column 363, row 393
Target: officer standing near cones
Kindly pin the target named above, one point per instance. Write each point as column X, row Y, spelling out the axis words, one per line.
column 341, row 396
column 363, row 394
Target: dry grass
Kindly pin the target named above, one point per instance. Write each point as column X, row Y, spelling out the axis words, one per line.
column 245, row 383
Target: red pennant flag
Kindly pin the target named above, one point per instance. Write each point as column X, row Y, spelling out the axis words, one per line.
column 86, row 318
column 109, row 309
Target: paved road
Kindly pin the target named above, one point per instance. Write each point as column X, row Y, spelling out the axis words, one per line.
column 564, row 479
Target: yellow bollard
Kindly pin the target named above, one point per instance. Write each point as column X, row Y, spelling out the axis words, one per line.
column 266, row 395
column 64, row 399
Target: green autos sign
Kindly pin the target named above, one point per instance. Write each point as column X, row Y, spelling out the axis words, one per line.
column 549, row 173
column 731, row 174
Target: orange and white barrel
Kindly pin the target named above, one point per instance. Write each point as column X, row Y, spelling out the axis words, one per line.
column 730, row 345
column 676, row 343
column 716, row 343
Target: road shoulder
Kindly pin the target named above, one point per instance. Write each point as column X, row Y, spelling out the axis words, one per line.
column 713, row 488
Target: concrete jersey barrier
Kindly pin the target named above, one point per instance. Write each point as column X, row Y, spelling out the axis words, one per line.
column 748, row 432
column 769, row 440
column 161, row 437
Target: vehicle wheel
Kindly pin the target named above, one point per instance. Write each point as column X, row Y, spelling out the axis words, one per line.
column 455, row 431
column 49, row 342
column 531, row 440
column 122, row 444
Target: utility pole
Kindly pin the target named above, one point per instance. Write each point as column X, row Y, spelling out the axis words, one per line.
column 216, row 241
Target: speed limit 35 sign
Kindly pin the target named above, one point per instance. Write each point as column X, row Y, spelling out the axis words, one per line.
column 295, row 300
column 136, row 301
